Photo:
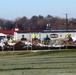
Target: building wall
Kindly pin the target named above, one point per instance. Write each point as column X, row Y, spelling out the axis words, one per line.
column 52, row 35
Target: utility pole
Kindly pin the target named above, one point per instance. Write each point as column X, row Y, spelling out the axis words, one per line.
column 66, row 21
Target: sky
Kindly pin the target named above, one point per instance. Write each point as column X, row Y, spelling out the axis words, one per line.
column 13, row 9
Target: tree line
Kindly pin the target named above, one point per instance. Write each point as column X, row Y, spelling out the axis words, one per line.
column 39, row 23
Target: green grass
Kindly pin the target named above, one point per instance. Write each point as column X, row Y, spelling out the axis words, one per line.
column 38, row 63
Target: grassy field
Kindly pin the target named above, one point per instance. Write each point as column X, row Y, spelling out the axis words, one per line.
column 38, row 63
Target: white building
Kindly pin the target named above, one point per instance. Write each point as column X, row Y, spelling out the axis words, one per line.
column 54, row 34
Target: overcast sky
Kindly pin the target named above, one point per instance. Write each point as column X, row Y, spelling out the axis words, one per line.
column 12, row 9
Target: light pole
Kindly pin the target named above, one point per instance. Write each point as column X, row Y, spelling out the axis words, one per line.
column 48, row 27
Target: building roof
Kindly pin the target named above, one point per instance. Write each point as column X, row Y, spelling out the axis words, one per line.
column 11, row 32
column 8, row 32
